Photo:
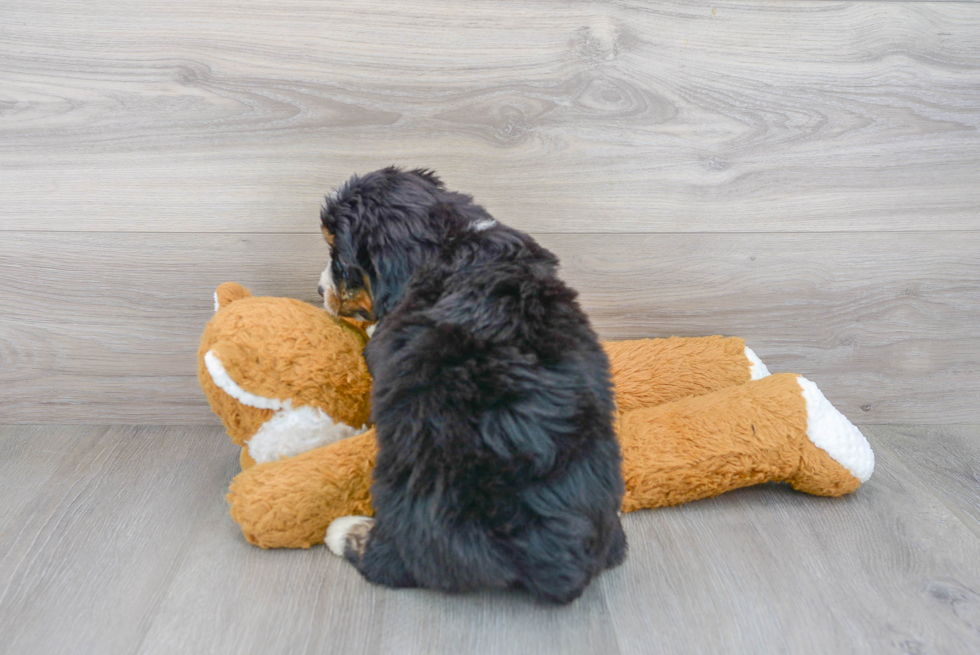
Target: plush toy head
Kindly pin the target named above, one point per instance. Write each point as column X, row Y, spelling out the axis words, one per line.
column 283, row 375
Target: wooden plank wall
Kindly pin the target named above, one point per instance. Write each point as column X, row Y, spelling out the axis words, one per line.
column 805, row 175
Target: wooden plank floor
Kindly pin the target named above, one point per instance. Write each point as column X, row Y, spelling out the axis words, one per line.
column 117, row 540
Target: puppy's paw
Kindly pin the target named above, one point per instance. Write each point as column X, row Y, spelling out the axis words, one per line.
column 348, row 535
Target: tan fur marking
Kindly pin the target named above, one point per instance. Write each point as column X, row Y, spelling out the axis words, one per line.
column 355, row 301
column 351, row 303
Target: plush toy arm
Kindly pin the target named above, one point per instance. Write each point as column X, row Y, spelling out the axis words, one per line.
column 777, row 429
column 650, row 372
column 289, row 503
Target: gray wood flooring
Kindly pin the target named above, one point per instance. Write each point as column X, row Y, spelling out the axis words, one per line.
column 117, row 540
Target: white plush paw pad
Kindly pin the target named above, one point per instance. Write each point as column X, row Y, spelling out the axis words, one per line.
column 344, row 527
column 757, row 369
column 830, row 431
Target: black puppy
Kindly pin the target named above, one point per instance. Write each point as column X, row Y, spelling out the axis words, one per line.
column 497, row 463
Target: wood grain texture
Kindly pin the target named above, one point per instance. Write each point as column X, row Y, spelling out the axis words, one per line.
column 121, row 543
column 885, row 324
column 210, row 115
column 313, row 602
column 945, row 457
column 29, row 457
column 765, row 569
column 105, row 327
column 90, row 557
column 230, row 597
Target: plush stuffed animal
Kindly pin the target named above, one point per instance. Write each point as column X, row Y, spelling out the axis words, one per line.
column 306, row 379
column 696, row 418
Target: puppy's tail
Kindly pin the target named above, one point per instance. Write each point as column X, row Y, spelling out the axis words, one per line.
column 228, row 293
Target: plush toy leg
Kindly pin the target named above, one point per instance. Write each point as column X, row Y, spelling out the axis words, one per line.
column 289, row 503
column 650, row 372
column 779, row 428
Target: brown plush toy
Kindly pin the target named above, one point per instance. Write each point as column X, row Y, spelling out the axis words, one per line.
column 283, row 375
column 697, row 417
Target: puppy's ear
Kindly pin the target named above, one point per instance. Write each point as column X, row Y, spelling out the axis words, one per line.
column 429, row 176
column 328, row 235
column 329, row 223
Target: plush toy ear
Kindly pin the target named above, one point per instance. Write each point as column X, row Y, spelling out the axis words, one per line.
column 229, row 292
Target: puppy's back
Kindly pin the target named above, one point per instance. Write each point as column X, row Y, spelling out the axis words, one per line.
column 494, row 412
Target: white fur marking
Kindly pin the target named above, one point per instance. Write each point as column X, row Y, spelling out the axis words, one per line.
column 339, row 529
column 483, row 224
column 230, row 387
column 370, row 329
column 217, row 306
column 290, row 432
column 830, row 431
column 757, row 369
column 326, row 281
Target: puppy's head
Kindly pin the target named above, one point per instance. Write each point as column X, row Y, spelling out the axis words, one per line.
column 378, row 227
column 346, row 286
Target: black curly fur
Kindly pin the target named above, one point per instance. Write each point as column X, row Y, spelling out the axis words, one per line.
column 498, row 465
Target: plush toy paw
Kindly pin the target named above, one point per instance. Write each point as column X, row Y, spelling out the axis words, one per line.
column 836, row 458
column 779, row 428
column 348, row 535
column 289, row 503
